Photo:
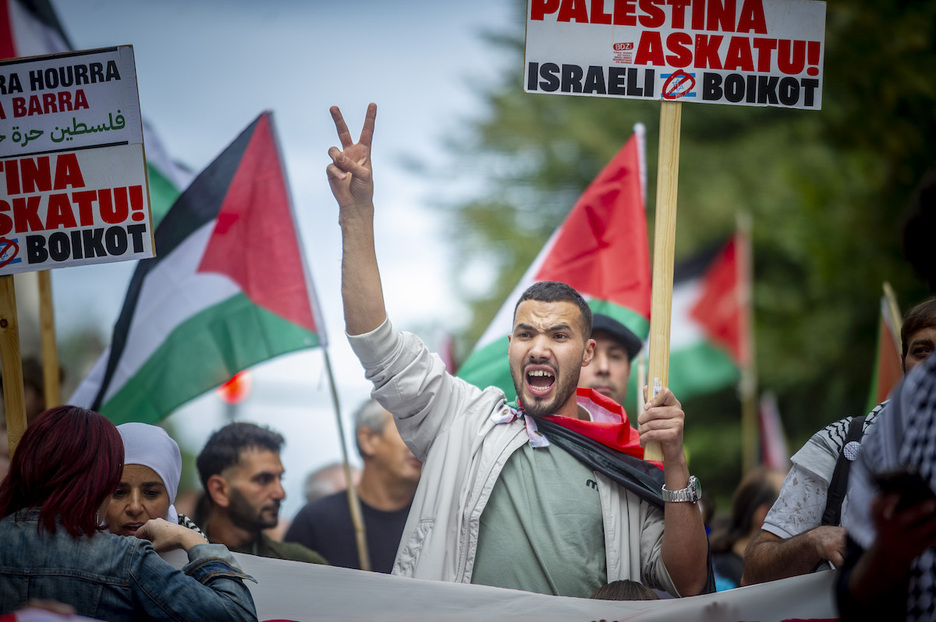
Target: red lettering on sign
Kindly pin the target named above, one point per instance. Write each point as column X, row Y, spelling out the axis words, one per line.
column 136, row 203
column 653, row 16
column 678, row 7
column 791, row 56
column 706, row 55
column 540, row 8
column 49, row 103
column 649, row 49
column 739, row 57
column 598, row 16
column 6, row 223
column 36, row 174
column 67, row 172
column 625, row 12
column 752, row 18
column 117, row 211
column 765, row 48
column 814, row 51
column 26, row 214
column 573, row 11
column 680, row 46
column 60, row 213
column 712, row 15
column 85, row 202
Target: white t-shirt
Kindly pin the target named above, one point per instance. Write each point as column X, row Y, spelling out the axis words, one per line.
column 802, row 499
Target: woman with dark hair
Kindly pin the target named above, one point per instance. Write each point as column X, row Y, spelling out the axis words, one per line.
column 63, row 472
column 752, row 499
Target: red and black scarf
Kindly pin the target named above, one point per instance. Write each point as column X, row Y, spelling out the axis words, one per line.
column 607, row 444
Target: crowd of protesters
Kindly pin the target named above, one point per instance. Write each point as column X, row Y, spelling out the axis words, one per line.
column 550, row 494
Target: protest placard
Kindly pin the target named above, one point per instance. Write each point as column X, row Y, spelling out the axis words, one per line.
column 744, row 52
column 73, row 186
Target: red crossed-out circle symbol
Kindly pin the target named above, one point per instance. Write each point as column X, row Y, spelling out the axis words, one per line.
column 678, row 84
column 9, row 249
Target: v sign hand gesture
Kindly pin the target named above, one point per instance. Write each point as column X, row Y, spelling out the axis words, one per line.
column 351, row 178
column 351, row 174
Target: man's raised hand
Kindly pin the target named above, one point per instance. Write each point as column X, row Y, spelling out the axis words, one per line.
column 350, row 173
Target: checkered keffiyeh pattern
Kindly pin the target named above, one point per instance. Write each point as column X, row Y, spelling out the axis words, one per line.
column 919, row 448
column 905, row 435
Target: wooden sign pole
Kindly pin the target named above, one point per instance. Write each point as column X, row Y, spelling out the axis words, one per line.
column 354, row 503
column 11, row 364
column 750, row 404
column 664, row 244
column 50, row 364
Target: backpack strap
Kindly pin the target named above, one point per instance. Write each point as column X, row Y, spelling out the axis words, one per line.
column 838, row 486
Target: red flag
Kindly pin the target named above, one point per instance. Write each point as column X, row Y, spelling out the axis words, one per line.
column 272, row 276
column 601, row 249
column 888, row 368
column 722, row 309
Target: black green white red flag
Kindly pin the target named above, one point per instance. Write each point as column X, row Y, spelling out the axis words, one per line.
column 228, row 289
column 600, row 249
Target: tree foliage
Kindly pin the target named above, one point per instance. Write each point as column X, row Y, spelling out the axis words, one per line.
column 826, row 191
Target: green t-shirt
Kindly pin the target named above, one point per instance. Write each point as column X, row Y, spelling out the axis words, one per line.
column 265, row 546
column 541, row 530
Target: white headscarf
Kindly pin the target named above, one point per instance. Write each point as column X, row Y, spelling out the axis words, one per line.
column 151, row 446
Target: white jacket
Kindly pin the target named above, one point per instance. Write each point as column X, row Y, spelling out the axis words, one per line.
column 447, row 424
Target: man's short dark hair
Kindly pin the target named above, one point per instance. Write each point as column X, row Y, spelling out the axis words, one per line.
column 554, row 291
column 224, row 447
column 917, row 317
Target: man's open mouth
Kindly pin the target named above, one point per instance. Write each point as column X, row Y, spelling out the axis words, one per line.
column 540, row 381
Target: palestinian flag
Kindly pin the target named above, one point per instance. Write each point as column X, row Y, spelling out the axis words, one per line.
column 600, row 249
column 888, row 364
column 32, row 28
column 708, row 334
column 228, row 289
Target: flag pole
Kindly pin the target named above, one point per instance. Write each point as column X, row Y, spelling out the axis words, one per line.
column 664, row 243
column 641, row 383
column 896, row 316
column 353, row 502
column 747, row 386
column 11, row 364
column 50, row 363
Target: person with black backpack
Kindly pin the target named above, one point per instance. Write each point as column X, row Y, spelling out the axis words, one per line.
column 802, row 532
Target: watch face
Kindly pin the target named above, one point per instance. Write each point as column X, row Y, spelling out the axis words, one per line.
column 696, row 486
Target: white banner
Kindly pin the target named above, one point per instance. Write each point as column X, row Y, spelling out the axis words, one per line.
column 304, row 592
column 743, row 52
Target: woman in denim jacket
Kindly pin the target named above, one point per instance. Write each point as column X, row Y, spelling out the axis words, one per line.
column 63, row 472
